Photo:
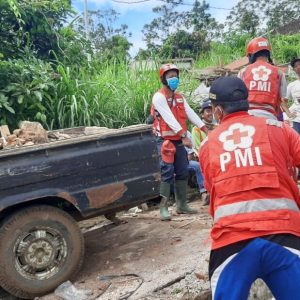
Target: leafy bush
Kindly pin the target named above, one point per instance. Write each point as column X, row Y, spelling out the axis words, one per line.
column 285, row 47
column 24, row 88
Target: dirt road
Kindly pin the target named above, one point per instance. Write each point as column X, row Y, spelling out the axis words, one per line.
column 158, row 253
column 145, row 258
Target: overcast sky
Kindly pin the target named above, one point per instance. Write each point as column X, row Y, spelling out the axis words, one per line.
column 136, row 15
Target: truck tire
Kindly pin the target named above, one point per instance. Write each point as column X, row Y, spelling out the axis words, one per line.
column 40, row 247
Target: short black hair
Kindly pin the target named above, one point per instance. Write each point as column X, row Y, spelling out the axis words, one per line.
column 293, row 62
column 231, row 107
column 264, row 53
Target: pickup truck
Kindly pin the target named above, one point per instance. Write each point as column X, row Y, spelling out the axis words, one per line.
column 45, row 189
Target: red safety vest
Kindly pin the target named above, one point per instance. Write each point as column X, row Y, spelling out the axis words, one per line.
column 263, row 82
column 249, row 198
column 176, row 105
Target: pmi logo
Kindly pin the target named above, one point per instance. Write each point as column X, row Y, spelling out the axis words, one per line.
column 237, row 141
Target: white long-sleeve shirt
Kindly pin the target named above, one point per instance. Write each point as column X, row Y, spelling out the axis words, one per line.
column 160, row 103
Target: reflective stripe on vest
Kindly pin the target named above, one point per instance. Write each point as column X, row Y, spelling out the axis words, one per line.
column 254, row 206
column 168, row 133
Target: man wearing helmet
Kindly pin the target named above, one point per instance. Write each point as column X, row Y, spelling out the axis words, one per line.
column 266, row 84
column 171, row 112
column 206, row 116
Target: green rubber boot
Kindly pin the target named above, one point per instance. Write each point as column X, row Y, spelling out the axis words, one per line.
column 180, row 196
column 165, row 195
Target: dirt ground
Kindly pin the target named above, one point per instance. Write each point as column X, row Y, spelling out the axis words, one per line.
column 144, row 255
column 144, row 258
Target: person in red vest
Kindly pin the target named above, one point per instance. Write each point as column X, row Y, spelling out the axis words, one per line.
column 266, row 84
column 249, row 165
column 171, row 112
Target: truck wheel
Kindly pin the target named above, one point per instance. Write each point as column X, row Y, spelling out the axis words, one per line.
column 40, row 247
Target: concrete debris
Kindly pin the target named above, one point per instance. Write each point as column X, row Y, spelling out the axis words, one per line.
column 28, row 134
column 2, row 142
column 4, row 130
column 201, row 276
column 68, row 291
column 134, row 210
column 144, row 207
column 54, row 136
column 95, row 130
column 33, row 131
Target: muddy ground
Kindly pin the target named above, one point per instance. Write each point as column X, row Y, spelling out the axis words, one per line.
column 159, row 253
column 145, row 258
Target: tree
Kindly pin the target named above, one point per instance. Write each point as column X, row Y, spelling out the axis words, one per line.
column 257, row 16
column 117, row 47
column 143, row 54
column 184, row 44
column 161, row 27
column 174, row 26
column 282, row 12
column 31, row 24
column 104, row 35
column 201, row 21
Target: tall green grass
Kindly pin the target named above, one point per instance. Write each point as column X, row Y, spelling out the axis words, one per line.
column 284, row 48
column 219, row 55
column 107, row 94
column 110, row 94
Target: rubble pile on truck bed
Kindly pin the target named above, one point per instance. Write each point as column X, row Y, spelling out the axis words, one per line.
column 28, row 134
column 33, row 133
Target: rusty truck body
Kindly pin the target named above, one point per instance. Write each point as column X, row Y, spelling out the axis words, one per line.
column 46, row 188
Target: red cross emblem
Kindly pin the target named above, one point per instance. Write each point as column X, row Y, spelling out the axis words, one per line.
column 237, row 136
column 261, row 73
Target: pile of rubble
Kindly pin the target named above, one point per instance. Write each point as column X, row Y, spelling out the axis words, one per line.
column 28, row 134
column 32, row 133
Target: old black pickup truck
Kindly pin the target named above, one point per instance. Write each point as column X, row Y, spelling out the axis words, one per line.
column 45, row 189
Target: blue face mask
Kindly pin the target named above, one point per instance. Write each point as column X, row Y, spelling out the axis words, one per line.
column 173, row 83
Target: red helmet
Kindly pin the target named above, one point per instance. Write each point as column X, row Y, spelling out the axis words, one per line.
column 167, row 67
column 257, row 45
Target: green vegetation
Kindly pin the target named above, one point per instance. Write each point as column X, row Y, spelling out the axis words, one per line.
column 104, row 94
column 52, row 74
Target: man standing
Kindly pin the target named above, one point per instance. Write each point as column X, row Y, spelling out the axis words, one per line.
column 293, row 92
column 266, row 84
column 171, row 112
column 249, row 165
